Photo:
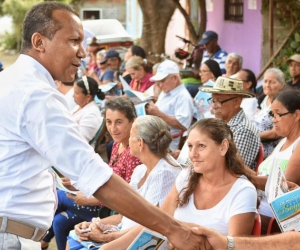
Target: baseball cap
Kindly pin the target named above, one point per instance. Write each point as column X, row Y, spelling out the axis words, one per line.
column 208, row 36
column 110, row 54
column 164, row 69
column 295, row 58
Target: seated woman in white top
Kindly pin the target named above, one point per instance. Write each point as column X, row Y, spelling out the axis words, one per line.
column 286, row 119
column 249, row 105
column 214, row 192
column 149, row 141
column 87, row 113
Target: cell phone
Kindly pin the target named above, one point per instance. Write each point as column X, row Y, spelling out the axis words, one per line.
column 85, row 230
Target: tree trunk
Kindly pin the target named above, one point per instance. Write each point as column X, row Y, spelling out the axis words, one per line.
column 156, row 17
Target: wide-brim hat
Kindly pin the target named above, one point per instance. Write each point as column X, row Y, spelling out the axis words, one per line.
column 227, row 86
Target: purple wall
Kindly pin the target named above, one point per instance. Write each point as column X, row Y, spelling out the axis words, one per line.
column 243, row 38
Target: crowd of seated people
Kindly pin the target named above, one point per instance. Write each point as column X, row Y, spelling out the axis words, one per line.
column 149, row 142
column 269, row 118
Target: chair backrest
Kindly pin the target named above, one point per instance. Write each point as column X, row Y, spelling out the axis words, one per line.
column 257, row 226
column 273, row 227
column 259, row 157
column 98, row 133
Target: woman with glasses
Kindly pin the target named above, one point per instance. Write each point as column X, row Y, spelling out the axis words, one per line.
column 119, row 117
column 149, row 141
column 273, row 83
column 285, row 115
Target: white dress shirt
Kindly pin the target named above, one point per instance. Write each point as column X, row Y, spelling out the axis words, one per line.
column 179, row 104
column 89, row 120
column 70, row 99
column 37, row 131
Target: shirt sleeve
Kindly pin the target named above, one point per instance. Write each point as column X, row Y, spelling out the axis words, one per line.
column 48, row 127
column 184, row 110
column 247, row 144
column 244, row 201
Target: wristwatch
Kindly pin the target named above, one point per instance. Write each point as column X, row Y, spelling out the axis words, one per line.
column 230, row 243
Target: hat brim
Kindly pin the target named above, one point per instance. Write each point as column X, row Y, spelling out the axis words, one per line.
column 158, row 77
column 225, row 92
column 205, row 41
column 104, row 61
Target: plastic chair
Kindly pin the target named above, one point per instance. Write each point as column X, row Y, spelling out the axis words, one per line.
column 257, row 226
column 259, row 157
column 273, row 227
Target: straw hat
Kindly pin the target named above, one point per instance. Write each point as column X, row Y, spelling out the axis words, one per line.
column 228, row 86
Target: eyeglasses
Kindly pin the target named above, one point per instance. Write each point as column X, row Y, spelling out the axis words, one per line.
column 278, row 116
column 218, row 104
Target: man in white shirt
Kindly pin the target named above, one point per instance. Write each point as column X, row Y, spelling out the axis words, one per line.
column 37, row 131
column 174, row 104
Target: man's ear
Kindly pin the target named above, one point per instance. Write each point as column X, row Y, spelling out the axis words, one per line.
column 38, row 42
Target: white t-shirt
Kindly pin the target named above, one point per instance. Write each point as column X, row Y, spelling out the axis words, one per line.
column 249, row 106
column 156, row 187
column 266, row 166
column 241, row 198
column 89, row 120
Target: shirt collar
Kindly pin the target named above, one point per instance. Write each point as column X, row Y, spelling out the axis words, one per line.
column 29, row 62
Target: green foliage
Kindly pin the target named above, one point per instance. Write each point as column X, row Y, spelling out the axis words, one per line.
column 288, row 13
column 17, row 10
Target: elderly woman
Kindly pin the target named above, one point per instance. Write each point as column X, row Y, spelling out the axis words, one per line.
column 140, row 73
column 149, row 141
column 285, row 114
column 214, row 192
column 119, row 117
column 233, row 64
column 272, row 85
column 249, row 105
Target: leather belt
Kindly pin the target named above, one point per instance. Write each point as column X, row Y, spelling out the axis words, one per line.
column 23, row 230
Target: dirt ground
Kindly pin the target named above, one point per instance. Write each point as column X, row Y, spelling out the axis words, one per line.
column 8, row 58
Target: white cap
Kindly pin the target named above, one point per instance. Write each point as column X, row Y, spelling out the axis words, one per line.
column 164, row 69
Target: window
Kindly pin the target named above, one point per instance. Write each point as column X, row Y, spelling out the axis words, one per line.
column 234, row 10
column 90, row 13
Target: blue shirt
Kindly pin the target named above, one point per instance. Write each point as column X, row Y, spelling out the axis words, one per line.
column 220, row 57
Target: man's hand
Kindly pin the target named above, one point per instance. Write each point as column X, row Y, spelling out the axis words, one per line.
column 214, row 240
column 152, row 109
column 184, row 239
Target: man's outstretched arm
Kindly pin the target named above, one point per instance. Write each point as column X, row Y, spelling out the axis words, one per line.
column 286, row 241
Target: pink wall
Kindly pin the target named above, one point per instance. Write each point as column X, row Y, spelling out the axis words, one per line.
column 243, row 38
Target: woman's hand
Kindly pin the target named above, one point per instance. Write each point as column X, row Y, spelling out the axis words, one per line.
column 80, row 226
column 67, row 183
column 292, row 186
column 80, row 199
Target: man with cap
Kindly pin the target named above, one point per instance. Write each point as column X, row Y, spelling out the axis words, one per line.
column 227, row 95
column 174, row 104
column 294, row 67
column 113, row 59
column 212, row 50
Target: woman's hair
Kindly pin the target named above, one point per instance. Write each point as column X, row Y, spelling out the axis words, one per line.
column 214, row 67
column 138, row 51
column 93, row 87
column 236, row 56
column 155, row 133
column 278, row 73
column 124, row 105
column 251, row 78
column 217, row 130
column 289, row 98
column 136, row 62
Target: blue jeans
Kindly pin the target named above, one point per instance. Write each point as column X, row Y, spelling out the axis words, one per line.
column 67, row 215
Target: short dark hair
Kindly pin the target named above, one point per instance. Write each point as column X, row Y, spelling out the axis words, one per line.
column 124, row 105
column 251, row 78
column 40, row 19
column 289, row 98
